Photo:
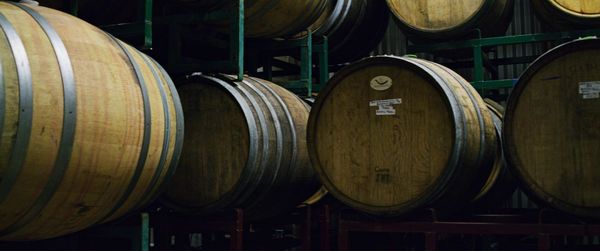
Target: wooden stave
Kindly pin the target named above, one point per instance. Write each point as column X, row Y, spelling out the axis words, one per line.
column 500, row 184
column 348, row 43
column 439, row 198
column 256, row 192
column 534, row 192
column 558, row 19
column 23, row 227
column 492, row 19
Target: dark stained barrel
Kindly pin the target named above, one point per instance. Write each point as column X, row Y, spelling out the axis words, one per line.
column 552, row 128
column 390, row 135
column 500, row 184
column 90, row 128
column 568, row 14
column 449, row 19
column 353, row 28
column 273, row 18
column 245, row 147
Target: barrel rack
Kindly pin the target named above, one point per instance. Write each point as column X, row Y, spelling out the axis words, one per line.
column 238, row 47
column 138, row 28
column 481, row 62
column 232, row 231
column 545, row 226
column 131, row 233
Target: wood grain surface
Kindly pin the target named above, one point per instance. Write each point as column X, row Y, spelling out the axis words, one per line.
column 552, row 128
column 245, row 148
column 412, row 157
column 444, row 19
column 568, row 14
column 578, row 7
column 500, row 184
column 104, row 172
column 275, row 18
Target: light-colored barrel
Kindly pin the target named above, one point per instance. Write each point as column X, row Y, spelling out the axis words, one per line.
column 552, row 128
column 448, row 19
column 568, row 14
column 89, row 126
column 245, row 148
column 391, row 135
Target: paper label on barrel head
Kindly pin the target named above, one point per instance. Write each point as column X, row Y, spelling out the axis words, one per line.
column 385, row 107
column 381, row 83
column 589, row 90
column 591, row 95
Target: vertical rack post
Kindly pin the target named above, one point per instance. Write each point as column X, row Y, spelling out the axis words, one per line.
column 147, row 21
column 74, row 7
column 306, row 229
column 236, row 40
column 324, row 224
column 145, row 232
column 306, row 63
column 237, row 237
column 322, row 51
column 430, row 241
column 478, row 70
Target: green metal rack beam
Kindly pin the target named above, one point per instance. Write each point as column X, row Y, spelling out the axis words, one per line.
column 143, row 27
column 178, row 63
column 477, row 46
column 322, row 51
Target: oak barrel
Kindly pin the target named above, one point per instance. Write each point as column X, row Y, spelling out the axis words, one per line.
column 389, row 135
column 568, row 14
column 552, row 128
column 353, row 28
column 273, row 18
column 90, row 127
column 245, row 148
column 449, row 19
column 99, row 12
column 500, row 184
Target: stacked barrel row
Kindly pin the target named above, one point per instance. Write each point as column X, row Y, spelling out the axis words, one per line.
column 354, row 27
column 92, row 129
column 426, row 20
column 392, row 135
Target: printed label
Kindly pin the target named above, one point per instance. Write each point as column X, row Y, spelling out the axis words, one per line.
column 385, row 107
column 591, row 95
column 589, row 90
column 381, row 83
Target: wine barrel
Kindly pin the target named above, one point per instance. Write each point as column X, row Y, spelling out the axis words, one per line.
column 353, row 28
column 389, row 135
column 90, row 127
column 273, row 18
column 448, row 19
column 568, row 14
column 500, row 184
column 245, row 148
column 552, row 128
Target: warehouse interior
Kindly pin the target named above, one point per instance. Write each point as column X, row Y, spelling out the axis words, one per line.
column 298, row 125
